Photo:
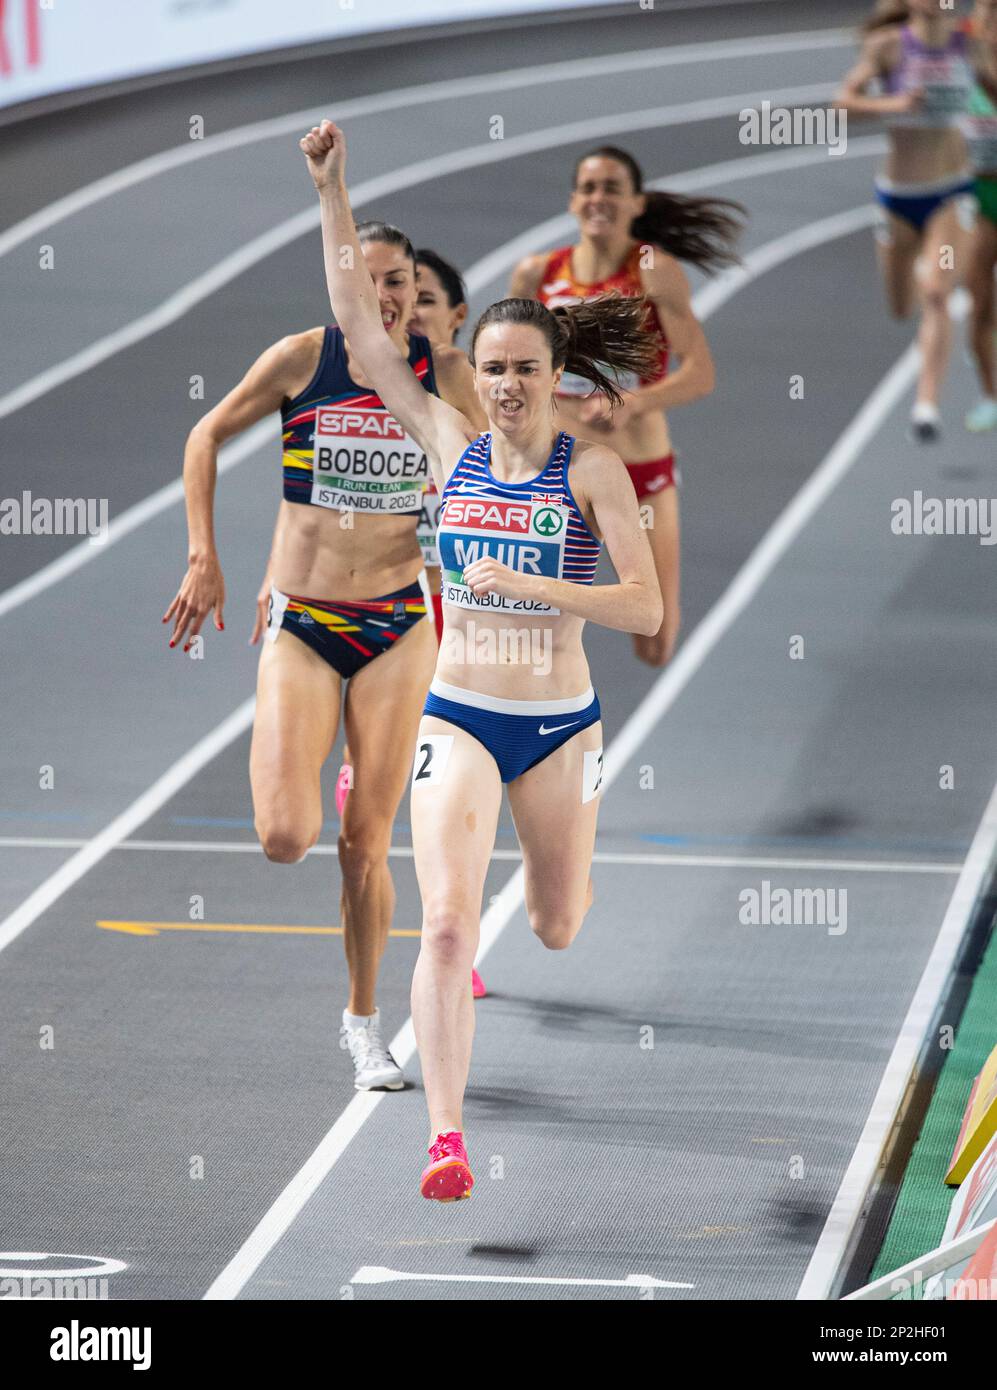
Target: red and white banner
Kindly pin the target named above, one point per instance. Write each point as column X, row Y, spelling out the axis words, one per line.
column 57, row 45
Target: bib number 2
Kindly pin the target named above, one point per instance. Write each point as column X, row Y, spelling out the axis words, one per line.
column 432, row 753
column 591, row 775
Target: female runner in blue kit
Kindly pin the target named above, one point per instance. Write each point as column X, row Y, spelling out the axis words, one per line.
column 525, row 511
column 919, row 56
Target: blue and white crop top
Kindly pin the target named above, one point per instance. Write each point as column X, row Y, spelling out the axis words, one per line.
column 944, row 75
column 535, row 527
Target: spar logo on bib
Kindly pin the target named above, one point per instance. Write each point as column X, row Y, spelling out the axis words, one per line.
column 548, row 521
column 365, row 460
column 525, row 534
column 347, row 420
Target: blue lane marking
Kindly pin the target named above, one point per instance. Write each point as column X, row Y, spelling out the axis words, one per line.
column 246, row 823
column 824, row 841
column 230, row 822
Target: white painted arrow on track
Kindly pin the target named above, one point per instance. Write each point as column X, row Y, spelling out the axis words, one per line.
column 379, row 1274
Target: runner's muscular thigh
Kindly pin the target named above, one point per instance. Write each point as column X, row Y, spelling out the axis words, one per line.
column 947, row 248
column 562, row 791
column 383, row 707
column 287, row 751
column 456, row 798
column 981, row 263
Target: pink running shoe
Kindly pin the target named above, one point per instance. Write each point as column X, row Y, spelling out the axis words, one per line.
column 343, row 784
column 477, row 985
column 447, row 1178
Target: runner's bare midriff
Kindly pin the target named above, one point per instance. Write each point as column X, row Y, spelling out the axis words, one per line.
column 639, row 441
column 922, row 156
column 516, row 656
column 327, row 554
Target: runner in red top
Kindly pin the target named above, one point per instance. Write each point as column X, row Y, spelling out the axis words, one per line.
column 631, row 244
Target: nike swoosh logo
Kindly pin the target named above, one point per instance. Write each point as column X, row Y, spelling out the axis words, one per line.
column 558, row 727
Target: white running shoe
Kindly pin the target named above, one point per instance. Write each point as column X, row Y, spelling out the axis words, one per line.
column 374, row 1068
column 925, row 423
column 983, row 416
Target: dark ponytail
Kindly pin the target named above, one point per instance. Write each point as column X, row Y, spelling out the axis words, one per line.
column 701, row 231
column 597, row 339
column 887, row 12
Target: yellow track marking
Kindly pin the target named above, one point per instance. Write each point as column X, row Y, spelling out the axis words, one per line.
column 154, row 928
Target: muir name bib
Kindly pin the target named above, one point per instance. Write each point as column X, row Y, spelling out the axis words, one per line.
column 527, row 534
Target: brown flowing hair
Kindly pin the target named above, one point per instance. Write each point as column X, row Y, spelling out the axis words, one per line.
column 587, row 338
column 887, row 12
column 702, row 231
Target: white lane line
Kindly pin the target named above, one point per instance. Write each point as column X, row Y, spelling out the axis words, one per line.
column 176, row 305
column 167, row 312
column 751, row 166
column 773, row 253
column 678, row 861
column 289, row 1203
column 863, row 1170
column 751, row 861
column 380, row 1274
column 763, row 560
column 404, row 99
column 126, row 823
column 745, row 861
column 263, row 433
column 497, row 263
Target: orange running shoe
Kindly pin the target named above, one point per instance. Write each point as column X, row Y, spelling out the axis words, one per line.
column 447, row 1178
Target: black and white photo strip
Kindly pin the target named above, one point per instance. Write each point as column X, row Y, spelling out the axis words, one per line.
column 498, row 669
